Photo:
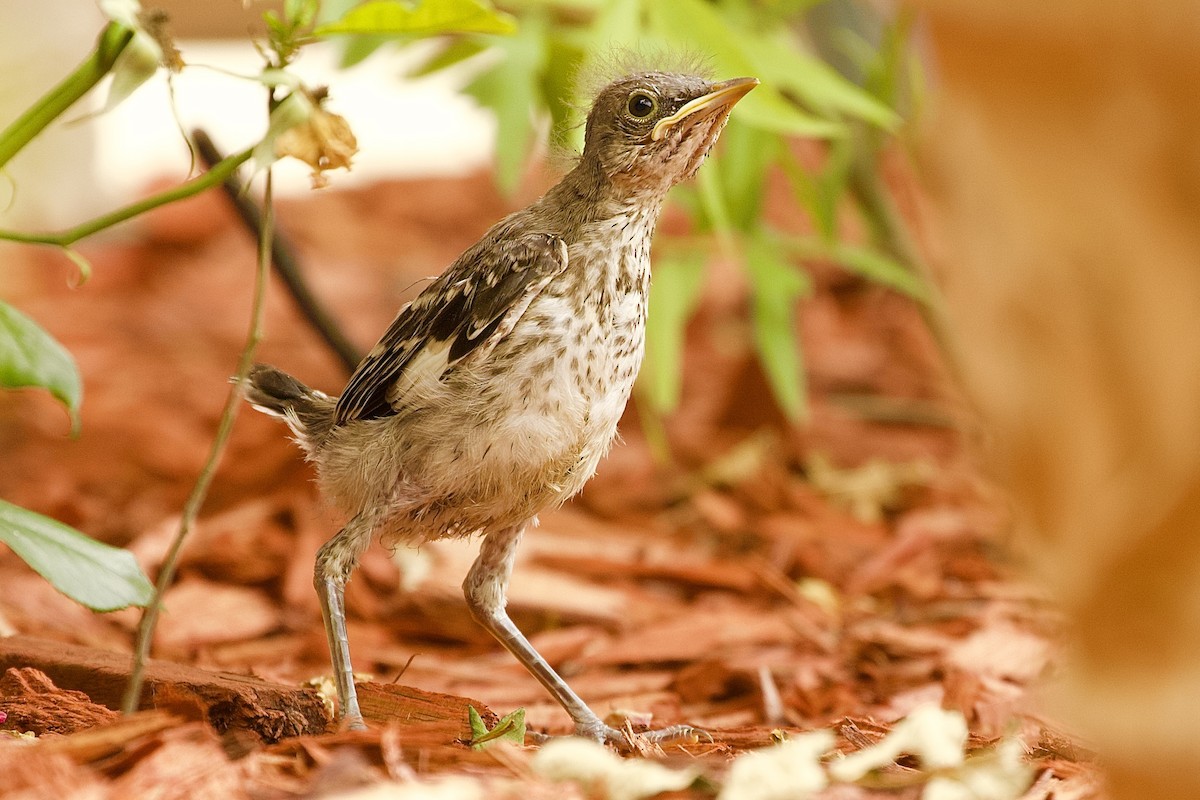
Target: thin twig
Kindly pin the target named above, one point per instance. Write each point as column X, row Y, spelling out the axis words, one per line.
column 285, row 261
column 191, row 509
column 200, row 183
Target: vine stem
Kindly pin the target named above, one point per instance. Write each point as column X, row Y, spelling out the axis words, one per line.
column 110, row 45
column 195, row 501
column 285, row 259
column 213, row 177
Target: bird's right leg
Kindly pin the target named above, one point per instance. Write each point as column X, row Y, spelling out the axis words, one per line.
column 486, row 590
column 336, row 559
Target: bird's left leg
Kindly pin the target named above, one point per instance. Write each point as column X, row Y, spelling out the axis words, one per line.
column 486, row 588
column 335, row 561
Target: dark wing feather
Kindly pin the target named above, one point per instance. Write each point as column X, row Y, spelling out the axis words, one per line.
column 478, row 296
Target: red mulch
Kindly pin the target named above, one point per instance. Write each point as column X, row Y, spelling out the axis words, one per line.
column 836, row 574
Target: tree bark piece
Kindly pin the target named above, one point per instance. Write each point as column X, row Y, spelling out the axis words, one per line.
column 271, row 711
column 424, row 718
column 33, row 704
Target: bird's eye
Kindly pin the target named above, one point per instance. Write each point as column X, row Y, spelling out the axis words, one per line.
column 642, row 105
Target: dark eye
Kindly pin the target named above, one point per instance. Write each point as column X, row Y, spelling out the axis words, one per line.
column 642, row 105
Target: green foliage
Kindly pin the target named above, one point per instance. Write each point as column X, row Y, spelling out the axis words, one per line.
column 373, row 23
column 511, row 728
column 699, row 26
column 853, row 109
column 674, row 295
column 427, row 18
column 514, row 89
column 132, row 48
column 30, row 357
column 775, row 287
column 100, row 577
column 805, row 92
column 867, row 262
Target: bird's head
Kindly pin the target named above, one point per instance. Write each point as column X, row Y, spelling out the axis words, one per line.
column 651, row 130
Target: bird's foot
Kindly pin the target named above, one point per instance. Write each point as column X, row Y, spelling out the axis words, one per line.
column 352, row 722
column 627, row 739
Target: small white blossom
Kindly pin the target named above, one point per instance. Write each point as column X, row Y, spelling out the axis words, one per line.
column 788, row 771
column 600, row 770
column 935, row 736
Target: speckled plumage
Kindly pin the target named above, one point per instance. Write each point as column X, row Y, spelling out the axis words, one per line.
column 496, row 392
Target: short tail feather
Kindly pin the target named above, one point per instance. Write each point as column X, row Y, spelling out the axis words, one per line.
column 308, row 412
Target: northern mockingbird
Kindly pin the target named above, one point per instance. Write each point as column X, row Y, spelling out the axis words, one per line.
column 495, row 393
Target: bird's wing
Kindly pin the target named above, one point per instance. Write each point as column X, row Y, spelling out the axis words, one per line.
column 477, row 300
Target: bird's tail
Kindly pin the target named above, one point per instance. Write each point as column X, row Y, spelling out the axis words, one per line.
column 308, row 412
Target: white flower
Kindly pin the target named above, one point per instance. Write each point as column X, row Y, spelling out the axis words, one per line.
column 600, row 770
column 1000, row 774
column 788, row 771
column 935, row 736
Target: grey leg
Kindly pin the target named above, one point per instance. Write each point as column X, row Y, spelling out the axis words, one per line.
column 486, row 588
column 335, row 561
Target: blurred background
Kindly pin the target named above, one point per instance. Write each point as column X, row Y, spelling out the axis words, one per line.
column 916, row 422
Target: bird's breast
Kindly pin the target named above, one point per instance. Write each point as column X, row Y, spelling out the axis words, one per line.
column 570, row 363
column 526, row 425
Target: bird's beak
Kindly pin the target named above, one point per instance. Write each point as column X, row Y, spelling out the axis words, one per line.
column 723, row 94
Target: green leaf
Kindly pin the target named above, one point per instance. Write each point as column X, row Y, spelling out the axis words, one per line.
column 426, row 18
column 101, row 577
column 880, row 268
column 455, row 52
column 830, row 185
column 769, row 111
column 301, row 13
column 746, row 153
column 511, row 727
column 712, row 203
column 804, row 187
column 820, row 193
column 764, row 44
column 865, row 261
column 512, row 90
column 30, row 357
column 698, row 25
column 775, row 286
column 275, row 26
column 138, row 63
column 778, row 60
column 563, row 56
column 675, row 292
column 359, row 48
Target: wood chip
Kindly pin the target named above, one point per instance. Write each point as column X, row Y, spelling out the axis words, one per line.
column 185, row 763
column 199, row 612
column 430, row 718
column 33, row 704
column 108, row 740
column 231, row 701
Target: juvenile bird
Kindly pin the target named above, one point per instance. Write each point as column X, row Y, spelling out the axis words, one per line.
column 494, row 394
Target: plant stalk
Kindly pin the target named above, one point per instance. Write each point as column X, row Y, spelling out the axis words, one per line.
column 214, row 177
column 195, row 501
column 285, row 260
column 111, row 43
